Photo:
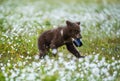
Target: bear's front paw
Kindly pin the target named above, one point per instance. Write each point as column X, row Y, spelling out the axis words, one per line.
column 82, row 57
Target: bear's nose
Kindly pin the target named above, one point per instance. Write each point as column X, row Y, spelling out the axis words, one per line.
column 78, row 36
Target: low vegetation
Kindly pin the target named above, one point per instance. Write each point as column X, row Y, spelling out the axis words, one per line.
column 21, row 22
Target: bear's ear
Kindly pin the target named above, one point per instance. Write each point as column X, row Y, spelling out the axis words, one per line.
column 78, row 23
column 68, row 23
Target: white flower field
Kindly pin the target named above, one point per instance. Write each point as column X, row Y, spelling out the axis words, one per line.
column 22, row 21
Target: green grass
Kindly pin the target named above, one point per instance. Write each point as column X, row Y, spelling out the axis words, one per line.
column 21, row 22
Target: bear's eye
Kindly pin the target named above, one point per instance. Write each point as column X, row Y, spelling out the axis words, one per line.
column 76, row 31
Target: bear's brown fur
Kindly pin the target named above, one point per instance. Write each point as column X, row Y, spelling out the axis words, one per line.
column 52, row 39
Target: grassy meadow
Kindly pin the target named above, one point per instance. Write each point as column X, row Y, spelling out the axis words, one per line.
column 22, row 21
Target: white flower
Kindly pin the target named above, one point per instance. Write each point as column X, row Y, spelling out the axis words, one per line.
column 8, row 64
column 95, row 71
column 54, row 51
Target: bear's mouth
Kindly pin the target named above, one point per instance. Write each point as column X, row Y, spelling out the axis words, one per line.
column 73, row 39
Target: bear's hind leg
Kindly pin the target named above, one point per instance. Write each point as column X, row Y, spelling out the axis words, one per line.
column 42, row 54
column 43, row 51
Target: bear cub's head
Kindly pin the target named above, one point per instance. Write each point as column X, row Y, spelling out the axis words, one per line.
column 74, row 29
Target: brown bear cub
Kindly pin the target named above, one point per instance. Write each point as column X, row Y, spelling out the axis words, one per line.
column 52, row 39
